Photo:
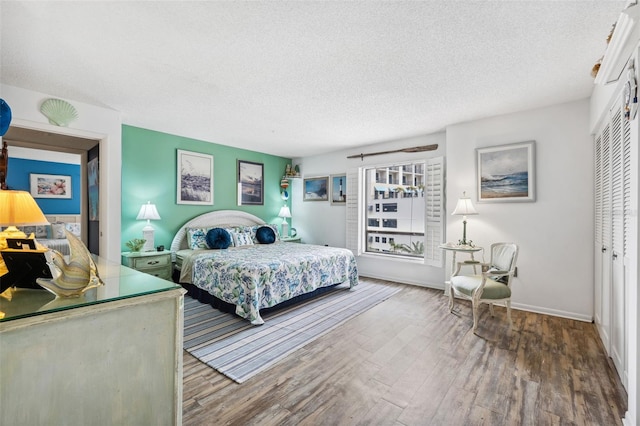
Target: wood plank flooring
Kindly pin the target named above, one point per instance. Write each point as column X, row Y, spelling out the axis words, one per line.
column 408, row 361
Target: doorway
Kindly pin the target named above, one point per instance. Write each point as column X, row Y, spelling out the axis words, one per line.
column 49, row 141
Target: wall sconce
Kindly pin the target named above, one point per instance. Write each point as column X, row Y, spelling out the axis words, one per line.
column 148, row 212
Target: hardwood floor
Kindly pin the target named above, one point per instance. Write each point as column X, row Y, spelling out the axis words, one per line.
column 408, row 361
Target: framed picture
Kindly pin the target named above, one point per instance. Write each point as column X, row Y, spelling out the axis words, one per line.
column 195, row 178
column 50, row 186
column 339, row 189
column 250, row 183
column 316, row 189
column 506, row 173
column 93, row 188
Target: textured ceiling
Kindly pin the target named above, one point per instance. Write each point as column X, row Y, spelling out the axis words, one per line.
column 302, row 78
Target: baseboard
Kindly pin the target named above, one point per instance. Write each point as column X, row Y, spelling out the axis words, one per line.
column 518, row 306
column 401, row 280
column 552, row 312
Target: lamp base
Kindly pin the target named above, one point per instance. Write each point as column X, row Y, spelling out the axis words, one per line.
column 285, row 229
column 147, row 234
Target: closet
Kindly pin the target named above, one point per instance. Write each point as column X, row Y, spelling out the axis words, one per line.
column 613, row 172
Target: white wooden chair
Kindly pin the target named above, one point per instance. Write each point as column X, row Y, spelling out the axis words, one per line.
column 493, row 285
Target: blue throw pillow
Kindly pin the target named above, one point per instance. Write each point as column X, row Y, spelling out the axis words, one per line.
column 218, row 238
column 265, row 235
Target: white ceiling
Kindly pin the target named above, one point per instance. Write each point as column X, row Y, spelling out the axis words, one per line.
column 303, row 78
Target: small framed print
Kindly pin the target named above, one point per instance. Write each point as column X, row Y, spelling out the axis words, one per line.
column 195, row 178
column 50, row 186
column 316, row 189
column 250, row 183
column 338, row 189
column 506, row 173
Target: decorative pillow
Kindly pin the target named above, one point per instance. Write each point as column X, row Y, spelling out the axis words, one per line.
column 74, row 228
column 265, row 235
column 42, row 231
column 197, row 238
column 242, row 239
column 57, row 231
column 218, row 238
column 254, row 230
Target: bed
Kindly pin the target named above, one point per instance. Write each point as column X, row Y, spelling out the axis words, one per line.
column 251, row 276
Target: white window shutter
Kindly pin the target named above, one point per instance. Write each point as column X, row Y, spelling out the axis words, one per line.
column 434, row 211
column 354, row 211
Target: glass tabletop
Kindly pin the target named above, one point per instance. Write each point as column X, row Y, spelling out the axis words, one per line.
column 120, row 282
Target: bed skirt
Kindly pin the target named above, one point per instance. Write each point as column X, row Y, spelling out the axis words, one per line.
column 204, row 296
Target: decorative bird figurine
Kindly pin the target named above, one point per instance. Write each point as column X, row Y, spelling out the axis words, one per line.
column 72, row 279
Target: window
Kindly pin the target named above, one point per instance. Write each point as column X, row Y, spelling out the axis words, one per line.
column 389, row 207
column 411, row 225
column 403, row 219
column 389, row 223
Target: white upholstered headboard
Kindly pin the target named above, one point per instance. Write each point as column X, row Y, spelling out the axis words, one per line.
column 219, row 218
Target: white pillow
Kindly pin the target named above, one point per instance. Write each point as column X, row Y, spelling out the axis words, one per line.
column 242, row 239
column 74, row 228
column 57, row 231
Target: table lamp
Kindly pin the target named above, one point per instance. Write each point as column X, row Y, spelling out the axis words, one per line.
column 148, row 212
column 284, row 214
column 464, row 208
column 18, row 208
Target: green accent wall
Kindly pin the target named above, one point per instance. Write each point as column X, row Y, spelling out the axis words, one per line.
column 149, row 167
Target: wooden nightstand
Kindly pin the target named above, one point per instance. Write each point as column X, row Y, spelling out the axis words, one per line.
column 291, row 239
column 156, row 263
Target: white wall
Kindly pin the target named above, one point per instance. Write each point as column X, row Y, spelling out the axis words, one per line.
column 319, row 222
column 554, row 233
column 93, row 123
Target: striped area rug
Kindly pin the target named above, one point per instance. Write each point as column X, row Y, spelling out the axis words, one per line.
column 239, row 350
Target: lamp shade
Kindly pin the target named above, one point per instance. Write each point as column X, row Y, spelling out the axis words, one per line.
column 284, row 212
column 18, row 208
column 148, row 212
column 464, row 207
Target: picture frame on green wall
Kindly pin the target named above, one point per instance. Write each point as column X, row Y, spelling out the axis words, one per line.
column 194, row 178
column 250, row 183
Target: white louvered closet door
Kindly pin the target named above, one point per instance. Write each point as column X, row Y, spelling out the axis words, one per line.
column 603, row 235
column 618, row 331
column 612, row 198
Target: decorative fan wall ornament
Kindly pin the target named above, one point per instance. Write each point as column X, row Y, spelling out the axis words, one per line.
column 59, row 112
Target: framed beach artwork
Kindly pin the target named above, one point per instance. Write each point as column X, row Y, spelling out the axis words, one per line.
column 339, row 189
column 195, row 178
column 506, row 173
column 316, row 189
column 50, row 186
column 250, row 183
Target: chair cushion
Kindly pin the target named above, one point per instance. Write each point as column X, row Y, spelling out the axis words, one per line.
column 492, row 289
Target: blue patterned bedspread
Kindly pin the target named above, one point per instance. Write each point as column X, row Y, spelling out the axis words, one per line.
column 263, row 275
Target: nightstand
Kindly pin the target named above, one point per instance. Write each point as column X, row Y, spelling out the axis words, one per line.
column 291, row 239
column 156, row 263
